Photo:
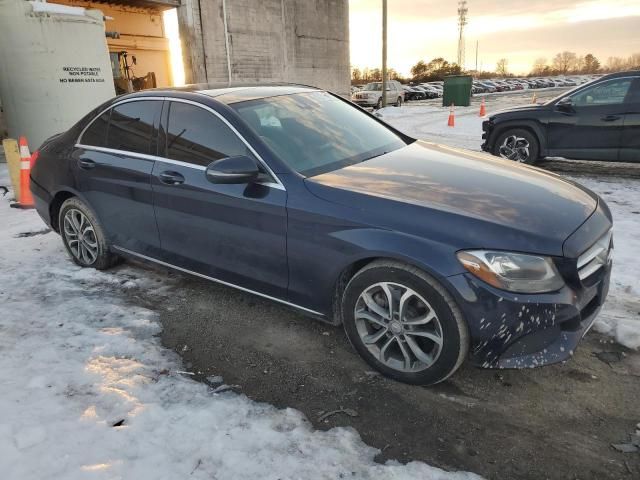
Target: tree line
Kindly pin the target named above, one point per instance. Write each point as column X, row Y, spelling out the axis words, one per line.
column 563, row 63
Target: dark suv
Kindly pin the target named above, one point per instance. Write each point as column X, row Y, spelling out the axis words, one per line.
column 599, row 120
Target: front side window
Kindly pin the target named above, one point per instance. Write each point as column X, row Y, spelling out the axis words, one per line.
column 612, row 92
column 315, row 132
column 132, row 125
column 196, row 136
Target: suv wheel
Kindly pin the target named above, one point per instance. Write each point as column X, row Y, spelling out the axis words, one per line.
column 379, row 104
column 518, row 145
column 399, row 102
column 83, row 236
column 404, row 323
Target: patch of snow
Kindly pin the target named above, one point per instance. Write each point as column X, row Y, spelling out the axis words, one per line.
column 87, row 390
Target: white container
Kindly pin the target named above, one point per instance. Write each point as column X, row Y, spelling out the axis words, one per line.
column 54, row 67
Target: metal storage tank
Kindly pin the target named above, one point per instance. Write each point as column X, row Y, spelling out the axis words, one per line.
column 54, row 66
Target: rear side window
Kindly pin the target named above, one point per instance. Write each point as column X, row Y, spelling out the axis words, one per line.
column 131, row 126
column 96, row 134
column 196, row 136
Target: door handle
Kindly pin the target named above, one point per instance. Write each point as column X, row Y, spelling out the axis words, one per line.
column 86, row 164
column 610, row 118
column 171, row 178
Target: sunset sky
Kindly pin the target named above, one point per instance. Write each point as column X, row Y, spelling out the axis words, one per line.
column 519, row 30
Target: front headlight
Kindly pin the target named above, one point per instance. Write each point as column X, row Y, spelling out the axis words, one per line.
column 515, row 272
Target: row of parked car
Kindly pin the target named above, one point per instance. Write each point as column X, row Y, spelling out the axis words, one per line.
column 371, row 93
column 511, row 84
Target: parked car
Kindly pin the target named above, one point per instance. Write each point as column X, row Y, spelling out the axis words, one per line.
column 595, row 121
column 428, row 91
column 371, row 94
column 412, row 93
column 423, row 253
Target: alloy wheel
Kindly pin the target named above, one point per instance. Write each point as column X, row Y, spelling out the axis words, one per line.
column 80, row 236
column 398, row 327
column 515, row 148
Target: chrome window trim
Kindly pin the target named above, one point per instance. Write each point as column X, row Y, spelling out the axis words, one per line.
column 222, row 282
column 275, row 184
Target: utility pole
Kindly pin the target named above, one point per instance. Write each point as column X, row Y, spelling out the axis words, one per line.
column 462, row 21
column 384, row 53
column 476, row 56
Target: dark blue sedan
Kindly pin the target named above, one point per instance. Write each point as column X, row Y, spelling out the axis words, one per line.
column 426, row 254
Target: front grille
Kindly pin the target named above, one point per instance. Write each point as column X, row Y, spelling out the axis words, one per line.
column 596, row 257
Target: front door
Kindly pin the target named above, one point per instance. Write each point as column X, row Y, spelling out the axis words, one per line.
column 113, row 165
column 234, row 233
column 590, row 127
column 630, row 145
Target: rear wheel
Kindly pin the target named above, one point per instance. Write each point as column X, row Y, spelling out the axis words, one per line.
column 83, row 236
column 399, row 102
column 379, row 104
column 404, row 323
column 518, row 145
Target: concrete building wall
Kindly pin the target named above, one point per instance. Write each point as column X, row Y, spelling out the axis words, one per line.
column 299, row 41
column 141, row 34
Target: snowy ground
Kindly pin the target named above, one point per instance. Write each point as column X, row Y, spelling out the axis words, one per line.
column 87, row 390
column 620, row 316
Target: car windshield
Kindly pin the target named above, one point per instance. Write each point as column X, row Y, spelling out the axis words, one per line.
column 375, row 87
column 316, row 132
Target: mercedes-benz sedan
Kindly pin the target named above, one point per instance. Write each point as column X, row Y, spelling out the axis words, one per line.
column 426, row 254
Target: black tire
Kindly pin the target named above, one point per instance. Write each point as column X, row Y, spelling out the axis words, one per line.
column 520, row 135
column 104, row 258
column 379, row 104
column 399, row 102
column 455, row 334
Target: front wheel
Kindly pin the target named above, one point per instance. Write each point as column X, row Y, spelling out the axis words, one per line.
column 379, row 104
column 404, row 323
column 518, row 145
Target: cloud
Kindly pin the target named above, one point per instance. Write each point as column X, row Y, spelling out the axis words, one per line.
column 520, row 30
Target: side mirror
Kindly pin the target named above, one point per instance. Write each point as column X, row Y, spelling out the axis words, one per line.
column 240, row 169
column 565, row 104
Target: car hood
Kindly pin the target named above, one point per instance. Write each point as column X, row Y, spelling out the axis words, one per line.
column 521, row 108
column 475, row 199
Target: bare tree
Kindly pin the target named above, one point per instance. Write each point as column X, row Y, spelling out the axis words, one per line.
column 634, row 61
column 616, row 64
column 502, row 67
column 539, row 66
column 565, row 61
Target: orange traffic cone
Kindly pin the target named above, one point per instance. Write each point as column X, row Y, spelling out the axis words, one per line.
column 535, row 98
column 452, row 119
column 483, row 109
column 26, row 199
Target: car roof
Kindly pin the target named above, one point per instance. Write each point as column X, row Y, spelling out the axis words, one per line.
column 231, row 94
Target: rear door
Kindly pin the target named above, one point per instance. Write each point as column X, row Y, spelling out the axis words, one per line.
column 234, row 233
column 113, row 165
column 630, row 144
column 591, row 129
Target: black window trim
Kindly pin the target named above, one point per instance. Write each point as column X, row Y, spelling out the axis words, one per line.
column 276, row 183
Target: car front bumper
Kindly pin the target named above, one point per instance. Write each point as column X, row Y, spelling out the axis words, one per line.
column 365, row 102
column 511, row 330
column 487, row 126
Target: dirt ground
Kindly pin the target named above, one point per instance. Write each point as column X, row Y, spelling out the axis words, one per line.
column 556, row 422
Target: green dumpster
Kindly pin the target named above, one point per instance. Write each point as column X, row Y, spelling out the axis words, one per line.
column 457, row 90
